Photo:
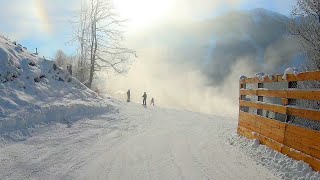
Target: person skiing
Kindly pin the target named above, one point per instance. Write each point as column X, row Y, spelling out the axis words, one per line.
column 128, row 95
column 144, row 102
column 152, row 101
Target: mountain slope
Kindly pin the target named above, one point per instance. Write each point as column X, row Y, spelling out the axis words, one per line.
column 258, row 36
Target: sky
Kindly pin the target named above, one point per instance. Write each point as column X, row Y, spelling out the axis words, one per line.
column 45, row 24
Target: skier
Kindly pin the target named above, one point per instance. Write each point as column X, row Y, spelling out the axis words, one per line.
column 128, row 95
column 144, row 102
column 152, row 101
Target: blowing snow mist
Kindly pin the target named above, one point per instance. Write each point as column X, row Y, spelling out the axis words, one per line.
column 196, row 65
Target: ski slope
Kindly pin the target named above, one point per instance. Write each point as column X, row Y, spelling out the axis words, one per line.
column 134, row 143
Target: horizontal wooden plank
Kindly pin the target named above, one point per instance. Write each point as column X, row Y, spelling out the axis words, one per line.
column 264, row 106
column 305, row 76
column 278, row 132
column 314, row 144
column 289, row 94
column 304, row 113
column 241, row 131
column 248, row 126
column 305, row 145
column 303, row 94
column 264, row 140
column 309, row 141
column 267, row 93
column 302, row 132
column 269, row 142
column 301, row 147
column 303, row 141
column 247, row 117
column 263, row 126
column 275, row 129
column 294, row 111
column 264, row 120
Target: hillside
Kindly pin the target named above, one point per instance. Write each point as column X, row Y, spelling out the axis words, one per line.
column 36, row 91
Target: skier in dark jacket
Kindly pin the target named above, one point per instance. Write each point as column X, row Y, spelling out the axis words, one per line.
column 128, row 95
column 144, row 102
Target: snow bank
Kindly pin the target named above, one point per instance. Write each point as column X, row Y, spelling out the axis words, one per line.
column 282, row 165
column 34, row 90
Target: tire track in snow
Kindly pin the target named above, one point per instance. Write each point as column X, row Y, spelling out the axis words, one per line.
column 175, row 164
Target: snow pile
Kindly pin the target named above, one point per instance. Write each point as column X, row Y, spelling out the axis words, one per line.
column 261, row 76
column 282, row 165
column 291, row 70
column 243, row 77
column 35, row 91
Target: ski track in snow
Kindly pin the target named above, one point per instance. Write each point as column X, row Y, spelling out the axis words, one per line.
column 136, row 143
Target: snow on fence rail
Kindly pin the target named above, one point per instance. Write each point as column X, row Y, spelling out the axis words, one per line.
column 282, row 134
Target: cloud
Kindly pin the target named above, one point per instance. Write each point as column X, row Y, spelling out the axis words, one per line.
column 196, row 65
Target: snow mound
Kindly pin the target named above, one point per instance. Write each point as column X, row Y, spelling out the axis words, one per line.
column 243, row 77
column 282, row 165
column 260, row 75
column 291, row 70
column 35, row 90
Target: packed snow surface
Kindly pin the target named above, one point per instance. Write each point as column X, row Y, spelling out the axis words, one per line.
column 136, row 143
column 145, row 143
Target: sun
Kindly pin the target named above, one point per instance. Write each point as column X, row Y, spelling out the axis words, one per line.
column 143, row 13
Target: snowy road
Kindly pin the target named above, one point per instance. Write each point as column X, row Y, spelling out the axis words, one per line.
column 137, row 144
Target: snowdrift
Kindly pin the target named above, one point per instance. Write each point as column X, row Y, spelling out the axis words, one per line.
column 34, row 90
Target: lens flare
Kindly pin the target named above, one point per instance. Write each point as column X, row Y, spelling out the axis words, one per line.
column 42, row 14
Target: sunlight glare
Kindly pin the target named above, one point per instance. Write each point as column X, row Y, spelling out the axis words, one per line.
column 143, row 13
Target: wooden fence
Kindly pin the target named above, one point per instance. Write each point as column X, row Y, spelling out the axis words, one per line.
column 300, row 143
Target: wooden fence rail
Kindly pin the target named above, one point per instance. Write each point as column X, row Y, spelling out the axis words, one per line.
column 300, row 143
